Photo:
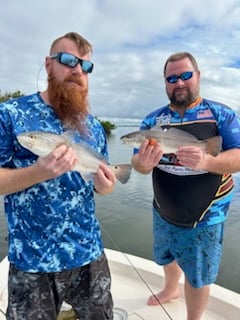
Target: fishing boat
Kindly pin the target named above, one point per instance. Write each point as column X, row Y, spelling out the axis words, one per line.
column 133, row 280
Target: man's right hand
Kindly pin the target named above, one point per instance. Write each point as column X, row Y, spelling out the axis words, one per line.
column 59, row 161
column 148, row 157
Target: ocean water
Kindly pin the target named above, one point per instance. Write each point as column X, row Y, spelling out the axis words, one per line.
column 126, row 219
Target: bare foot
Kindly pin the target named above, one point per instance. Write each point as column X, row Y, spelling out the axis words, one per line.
column 162, row 297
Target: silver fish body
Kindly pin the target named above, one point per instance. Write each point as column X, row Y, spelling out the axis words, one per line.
column 42, row 143
column 171, row 139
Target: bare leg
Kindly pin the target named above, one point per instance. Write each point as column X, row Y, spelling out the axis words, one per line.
column 171, row 290
column 196, row 300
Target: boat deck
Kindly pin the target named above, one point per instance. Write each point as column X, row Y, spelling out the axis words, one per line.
column 134, row 279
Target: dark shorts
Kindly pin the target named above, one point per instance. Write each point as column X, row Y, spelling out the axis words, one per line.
column 197, row 251
column 35, row 296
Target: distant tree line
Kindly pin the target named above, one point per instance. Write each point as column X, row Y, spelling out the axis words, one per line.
column 107, row 125
column 10, row 95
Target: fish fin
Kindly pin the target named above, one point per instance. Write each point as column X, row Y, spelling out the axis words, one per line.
column 86, row 176
column 157, row 128
column 69, row 136
column 183, row 133
column 92, row 151
column 122, row 172
column 214, row 145
column 174, row 131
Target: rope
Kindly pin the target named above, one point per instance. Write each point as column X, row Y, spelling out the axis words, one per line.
column 1, row 311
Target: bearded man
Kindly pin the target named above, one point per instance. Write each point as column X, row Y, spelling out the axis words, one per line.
column 56, row 252
column 192, row 188
column 67, row 89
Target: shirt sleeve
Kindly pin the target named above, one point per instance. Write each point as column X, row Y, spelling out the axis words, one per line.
column 6, row 137
column 229, row 128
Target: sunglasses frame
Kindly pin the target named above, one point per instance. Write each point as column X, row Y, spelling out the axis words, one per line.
column 173, row 78
column 86, row 65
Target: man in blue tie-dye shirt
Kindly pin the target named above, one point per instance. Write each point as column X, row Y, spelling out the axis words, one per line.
column 192, row 187
column 55, row 247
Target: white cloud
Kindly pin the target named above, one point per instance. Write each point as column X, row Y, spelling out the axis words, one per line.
column 131, row 41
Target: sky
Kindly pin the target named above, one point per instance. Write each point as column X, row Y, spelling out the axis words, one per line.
column 131, row 40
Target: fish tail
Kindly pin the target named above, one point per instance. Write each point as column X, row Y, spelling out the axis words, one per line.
column 214, row 145
column 122, row 172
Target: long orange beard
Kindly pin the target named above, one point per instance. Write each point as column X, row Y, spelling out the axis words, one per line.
column 69, row 101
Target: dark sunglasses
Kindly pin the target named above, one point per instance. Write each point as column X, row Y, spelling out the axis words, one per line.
column 71, row 61
column 183, row 76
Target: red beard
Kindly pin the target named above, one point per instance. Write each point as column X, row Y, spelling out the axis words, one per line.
column 69, row 101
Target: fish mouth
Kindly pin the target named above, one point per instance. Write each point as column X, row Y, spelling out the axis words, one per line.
column 28, row 144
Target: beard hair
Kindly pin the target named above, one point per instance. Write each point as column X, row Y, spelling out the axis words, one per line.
column 69, row 101
column 182, row 102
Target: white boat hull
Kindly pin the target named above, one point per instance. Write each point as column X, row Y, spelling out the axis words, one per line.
column 133, row 280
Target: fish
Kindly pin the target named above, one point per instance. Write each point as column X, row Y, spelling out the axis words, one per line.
column 42, row 143
column 171, row 139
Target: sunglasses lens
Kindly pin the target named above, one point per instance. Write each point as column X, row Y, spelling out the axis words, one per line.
column 87, row 66
column 186, row 75
column 71, row 61
column 68, row 60
column 172, row 79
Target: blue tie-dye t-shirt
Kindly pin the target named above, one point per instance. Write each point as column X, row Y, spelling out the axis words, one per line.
column 52, row 225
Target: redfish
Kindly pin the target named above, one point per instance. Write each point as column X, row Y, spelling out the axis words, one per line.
column 42, row 143
column 171, row 139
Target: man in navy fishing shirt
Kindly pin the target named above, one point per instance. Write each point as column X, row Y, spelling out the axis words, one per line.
column 192, row 188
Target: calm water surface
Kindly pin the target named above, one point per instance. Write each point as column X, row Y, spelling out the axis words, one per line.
column 126, row 218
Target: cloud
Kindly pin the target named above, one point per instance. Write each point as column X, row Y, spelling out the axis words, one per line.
column 131, row 41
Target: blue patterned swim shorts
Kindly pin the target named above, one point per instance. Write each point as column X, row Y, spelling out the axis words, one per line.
column 197, row 251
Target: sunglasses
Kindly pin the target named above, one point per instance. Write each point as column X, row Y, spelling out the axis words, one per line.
column 183, row 76
column 71, row 61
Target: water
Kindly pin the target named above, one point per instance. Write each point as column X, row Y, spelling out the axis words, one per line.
column 126, row 218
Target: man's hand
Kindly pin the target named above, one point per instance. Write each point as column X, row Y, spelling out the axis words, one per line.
column 148, row 157
column 59, row 161
column 192, row 157
column 104, row 179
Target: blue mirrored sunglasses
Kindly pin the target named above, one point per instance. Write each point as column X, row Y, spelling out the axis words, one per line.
column 71, row 61
column 183, row 76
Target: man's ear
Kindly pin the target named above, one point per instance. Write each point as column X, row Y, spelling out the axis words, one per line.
column 48, row 65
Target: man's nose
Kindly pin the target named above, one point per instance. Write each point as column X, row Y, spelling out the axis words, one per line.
column 77, row 70
column 179, row 80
